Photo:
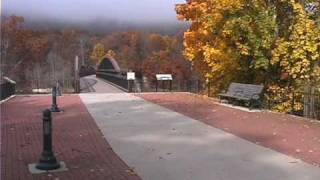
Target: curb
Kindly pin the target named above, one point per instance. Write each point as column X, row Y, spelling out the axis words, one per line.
column 7, row 99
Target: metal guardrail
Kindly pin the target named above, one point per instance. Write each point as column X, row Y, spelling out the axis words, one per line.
column 304, row 104
column 86, row 71
column 117, row 78
column 194, row 86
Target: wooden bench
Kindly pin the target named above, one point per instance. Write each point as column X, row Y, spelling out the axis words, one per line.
column 249, row 93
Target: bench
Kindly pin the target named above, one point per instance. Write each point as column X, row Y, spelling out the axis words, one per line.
column 249, row 93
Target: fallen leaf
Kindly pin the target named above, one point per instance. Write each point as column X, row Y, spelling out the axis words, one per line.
column 131, row 172
column 293, row 162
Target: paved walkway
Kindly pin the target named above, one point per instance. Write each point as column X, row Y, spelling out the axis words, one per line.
column 164, row 145
column 92, row 84
column 76, row 139
column 291, row 135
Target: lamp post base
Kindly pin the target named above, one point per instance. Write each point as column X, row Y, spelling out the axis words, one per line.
column 54, row 109
column 47, row 167
column 48, row 162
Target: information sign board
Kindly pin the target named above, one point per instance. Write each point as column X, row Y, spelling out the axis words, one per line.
column 164, row 77
column 131, row 76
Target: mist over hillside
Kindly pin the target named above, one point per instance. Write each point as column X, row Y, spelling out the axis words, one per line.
column 104, row 26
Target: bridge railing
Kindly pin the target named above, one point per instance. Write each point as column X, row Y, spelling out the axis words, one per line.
column 86, row 71
column 115, row 77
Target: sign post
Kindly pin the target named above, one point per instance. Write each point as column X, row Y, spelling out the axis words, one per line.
column 131, row 76
column 76, row 75
column 164, row 77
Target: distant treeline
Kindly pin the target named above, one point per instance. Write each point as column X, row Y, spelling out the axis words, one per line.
column 36, row 54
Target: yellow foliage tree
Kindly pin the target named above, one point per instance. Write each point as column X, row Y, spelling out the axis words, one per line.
column 298, row 55
column 111, row 54
column 254, row 41
column 98, row 53
column 225, row 36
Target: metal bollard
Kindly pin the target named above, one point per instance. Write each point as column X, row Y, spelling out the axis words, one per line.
column 54, row 106
column 47, row 160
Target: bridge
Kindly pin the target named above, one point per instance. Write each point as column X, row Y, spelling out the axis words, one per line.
column 92, row 84
column 108, row 79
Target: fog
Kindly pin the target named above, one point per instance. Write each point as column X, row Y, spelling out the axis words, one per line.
column 124, row 11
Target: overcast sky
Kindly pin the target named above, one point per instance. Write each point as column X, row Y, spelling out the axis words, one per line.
column 84, row 10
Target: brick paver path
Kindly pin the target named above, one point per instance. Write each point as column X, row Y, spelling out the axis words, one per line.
column 294, row 136
column 77, row 141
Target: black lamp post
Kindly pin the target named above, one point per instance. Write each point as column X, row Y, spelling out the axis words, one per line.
column 47, row 160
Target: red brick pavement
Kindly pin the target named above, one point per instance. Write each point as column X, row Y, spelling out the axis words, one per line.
column 294, row 136
column 77, row 141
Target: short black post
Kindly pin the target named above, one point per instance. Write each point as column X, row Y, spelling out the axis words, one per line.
column 292, row 103
column 209, row 85
column 47, row 160
column 188, row 85
column 163, row 88
column 54, row 106
column 170, row 85
column 157, row 86
column 131, row 83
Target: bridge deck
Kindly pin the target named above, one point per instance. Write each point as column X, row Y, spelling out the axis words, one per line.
column 91, row 84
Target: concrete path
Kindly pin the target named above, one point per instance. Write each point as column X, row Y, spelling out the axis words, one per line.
column 164, row 145
column 92, row 84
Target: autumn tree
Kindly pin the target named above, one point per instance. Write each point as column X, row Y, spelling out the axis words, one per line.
column 39, row 48
column 165, row 57
column 252, row 41
column 129, row 48
column 98, row 53
column 14, row 48
column 111, row 54
column 297, row 54
column 41, row 56
column 229, row 40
